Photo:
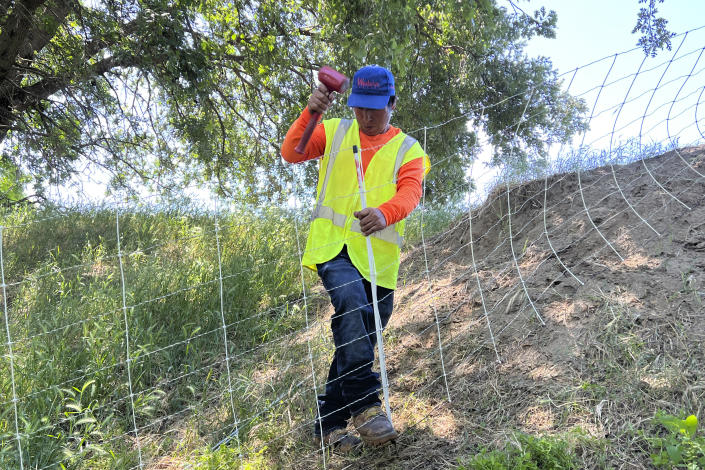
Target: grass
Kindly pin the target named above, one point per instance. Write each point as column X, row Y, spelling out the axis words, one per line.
column 77, row 408
column 435, row 219
column 524, row 452
column 585, row 159
column 70, row 328
column 670, row 441
column 67, row 323
column 632, row 400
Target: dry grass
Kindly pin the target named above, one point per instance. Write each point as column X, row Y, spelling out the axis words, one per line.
column 624, row 343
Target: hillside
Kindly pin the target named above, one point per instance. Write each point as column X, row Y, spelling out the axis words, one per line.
column 622, row 339
column 570, row 312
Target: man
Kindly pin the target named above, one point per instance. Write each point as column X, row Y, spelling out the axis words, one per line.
column 394, row 165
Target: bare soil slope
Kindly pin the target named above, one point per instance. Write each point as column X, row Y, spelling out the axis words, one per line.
column 571, row 306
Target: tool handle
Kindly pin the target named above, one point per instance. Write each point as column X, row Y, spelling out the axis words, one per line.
column 301, row 147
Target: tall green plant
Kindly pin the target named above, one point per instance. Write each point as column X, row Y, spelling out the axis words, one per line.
column 71, row 330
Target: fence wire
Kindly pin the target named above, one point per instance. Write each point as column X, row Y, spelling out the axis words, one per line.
column 199, row 358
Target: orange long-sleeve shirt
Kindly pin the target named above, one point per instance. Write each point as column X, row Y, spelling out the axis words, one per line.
column 409, row 177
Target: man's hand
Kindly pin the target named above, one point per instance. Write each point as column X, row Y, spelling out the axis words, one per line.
column 321, row 99
column 371, row 220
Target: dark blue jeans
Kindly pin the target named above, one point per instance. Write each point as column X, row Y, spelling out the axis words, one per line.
column 352, row 386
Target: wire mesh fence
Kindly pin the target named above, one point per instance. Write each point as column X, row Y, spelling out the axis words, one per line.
column 170, row 335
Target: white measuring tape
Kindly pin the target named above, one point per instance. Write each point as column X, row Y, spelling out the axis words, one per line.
column 373, row 282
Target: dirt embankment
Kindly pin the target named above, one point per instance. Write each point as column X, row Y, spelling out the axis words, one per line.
column 570, row 306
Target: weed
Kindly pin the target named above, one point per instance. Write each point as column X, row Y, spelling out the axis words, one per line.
column 525, row 453
column 681, row 447
column 70, row 330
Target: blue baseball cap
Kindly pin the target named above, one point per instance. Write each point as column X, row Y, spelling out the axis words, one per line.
column 372, row 86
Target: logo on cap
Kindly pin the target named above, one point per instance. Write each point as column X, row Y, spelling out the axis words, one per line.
column 361, row 82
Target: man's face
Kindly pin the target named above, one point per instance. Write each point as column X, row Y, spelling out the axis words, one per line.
column 373, row 121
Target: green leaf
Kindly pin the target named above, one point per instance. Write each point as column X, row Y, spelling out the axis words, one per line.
column 670, row 422
column 674, row 453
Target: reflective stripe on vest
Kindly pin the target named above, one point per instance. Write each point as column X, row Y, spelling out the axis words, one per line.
column 337, row 140
column 389, row 233
column 405, row 146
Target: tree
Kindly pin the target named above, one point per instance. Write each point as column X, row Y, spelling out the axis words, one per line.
column 11, row 184
column 169, row 92
column 655, row 35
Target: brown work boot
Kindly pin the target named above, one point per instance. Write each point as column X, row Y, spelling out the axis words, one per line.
column 339, row 440
column 374, row 426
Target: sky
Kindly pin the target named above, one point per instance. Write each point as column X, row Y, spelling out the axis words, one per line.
column 629, row 98
column 590, row 30
column 599, row 29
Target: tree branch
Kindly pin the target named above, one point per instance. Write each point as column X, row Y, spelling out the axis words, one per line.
column 14, row 33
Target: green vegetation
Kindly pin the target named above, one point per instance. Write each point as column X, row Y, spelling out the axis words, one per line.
column 11, row 183
column 524, row 452
column 654, row 33
column 67, row 324
column 681, row 447
column 164, row 93
column 436, row 218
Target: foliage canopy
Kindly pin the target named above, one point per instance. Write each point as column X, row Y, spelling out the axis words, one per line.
column 167, row 93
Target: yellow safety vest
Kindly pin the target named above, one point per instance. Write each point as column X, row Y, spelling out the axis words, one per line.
column 332, row 221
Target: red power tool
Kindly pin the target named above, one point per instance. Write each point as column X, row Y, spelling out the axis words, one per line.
column 334, row 81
